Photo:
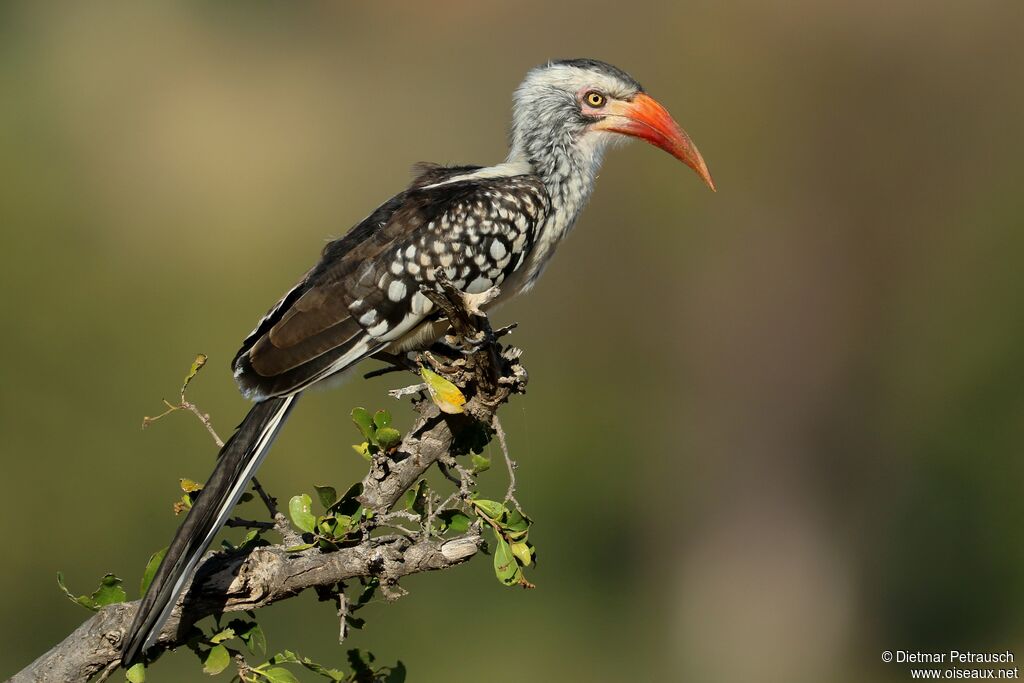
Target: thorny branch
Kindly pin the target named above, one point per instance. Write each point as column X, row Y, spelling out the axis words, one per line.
column 485, row 371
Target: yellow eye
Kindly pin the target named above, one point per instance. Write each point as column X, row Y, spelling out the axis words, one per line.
column 594, row 99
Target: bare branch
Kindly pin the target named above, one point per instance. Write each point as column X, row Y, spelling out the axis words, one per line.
column 249, row 524
column 510, row 464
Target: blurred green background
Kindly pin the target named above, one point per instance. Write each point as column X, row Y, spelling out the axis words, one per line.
column 769, row 433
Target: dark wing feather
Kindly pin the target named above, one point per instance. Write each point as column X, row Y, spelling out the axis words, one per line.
column 364, row 292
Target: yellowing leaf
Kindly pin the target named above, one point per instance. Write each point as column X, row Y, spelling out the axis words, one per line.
column 197, row 365
column 445, row 394
column 136, row 674
column 522, row 553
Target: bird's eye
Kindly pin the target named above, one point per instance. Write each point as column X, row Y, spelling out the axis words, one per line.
column 594, row 99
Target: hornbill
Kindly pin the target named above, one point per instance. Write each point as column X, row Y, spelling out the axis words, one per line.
column 483, row 227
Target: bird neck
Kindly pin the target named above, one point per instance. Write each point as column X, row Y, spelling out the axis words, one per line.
column 567, row 165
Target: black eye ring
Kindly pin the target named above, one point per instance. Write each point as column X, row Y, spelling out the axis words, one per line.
column 594, row 99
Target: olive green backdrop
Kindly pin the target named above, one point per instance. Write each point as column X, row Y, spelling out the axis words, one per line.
column 770, row 432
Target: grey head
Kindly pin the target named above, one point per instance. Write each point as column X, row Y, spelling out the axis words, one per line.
column 566, row 113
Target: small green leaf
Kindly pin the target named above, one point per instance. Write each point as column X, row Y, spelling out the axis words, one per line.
column 516, row 525
column 364, row 423
column 252, row 539
column 397, row 674
column 184, row 505
column 522, row 552
column 81, row 600
column 216, row 660
column 136, row 674
column 363, row 449
column 360, row 662
column 299, row 548
column 388, row 438
column 381, row 418
column 256, row 641
column 491, row 508
column 278, row 674
column 344, row 525
column 109, row 592
column 505, row 566
column 333, row 674
column 327, row 495
column 415, row 499
column 481, row 463
column 147, row 575
column 226, row 634
column 300, row 508
column 286, row 657
column 348, row 504
column 454, row 521
column 365, row 595
column 197, row 365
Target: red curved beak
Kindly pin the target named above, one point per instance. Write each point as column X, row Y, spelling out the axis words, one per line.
column 646, row 119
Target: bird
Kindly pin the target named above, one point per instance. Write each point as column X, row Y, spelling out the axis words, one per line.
column 483, row 227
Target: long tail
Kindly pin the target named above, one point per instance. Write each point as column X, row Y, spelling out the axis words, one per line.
column 236, row 465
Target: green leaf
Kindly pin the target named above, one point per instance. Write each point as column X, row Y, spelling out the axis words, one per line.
column 299, row 548
column 278, row 674
column 388, row 438
column 365, row 595
column 252, row 539
column 481, row 463
column 216, row 660
column 360, row 661
column 455, row 521
column 327, row 495
column 136, row 674
column 522, row 552
column 256, row 641
column 109, row 592
column 286, row 657
column 397, row 674
column 505, row 566
column 364, row 423
column 415, row 499
column 81, row 600
column 381, row 418
column 197, row 365
column 185, row 505
column 333, row 674
column 251, row 634
column 491, row 508
column 363, row 449
column 344, row 525
column 300, row 508
column 226, row 634
column 516, row 525
column 348, row 504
